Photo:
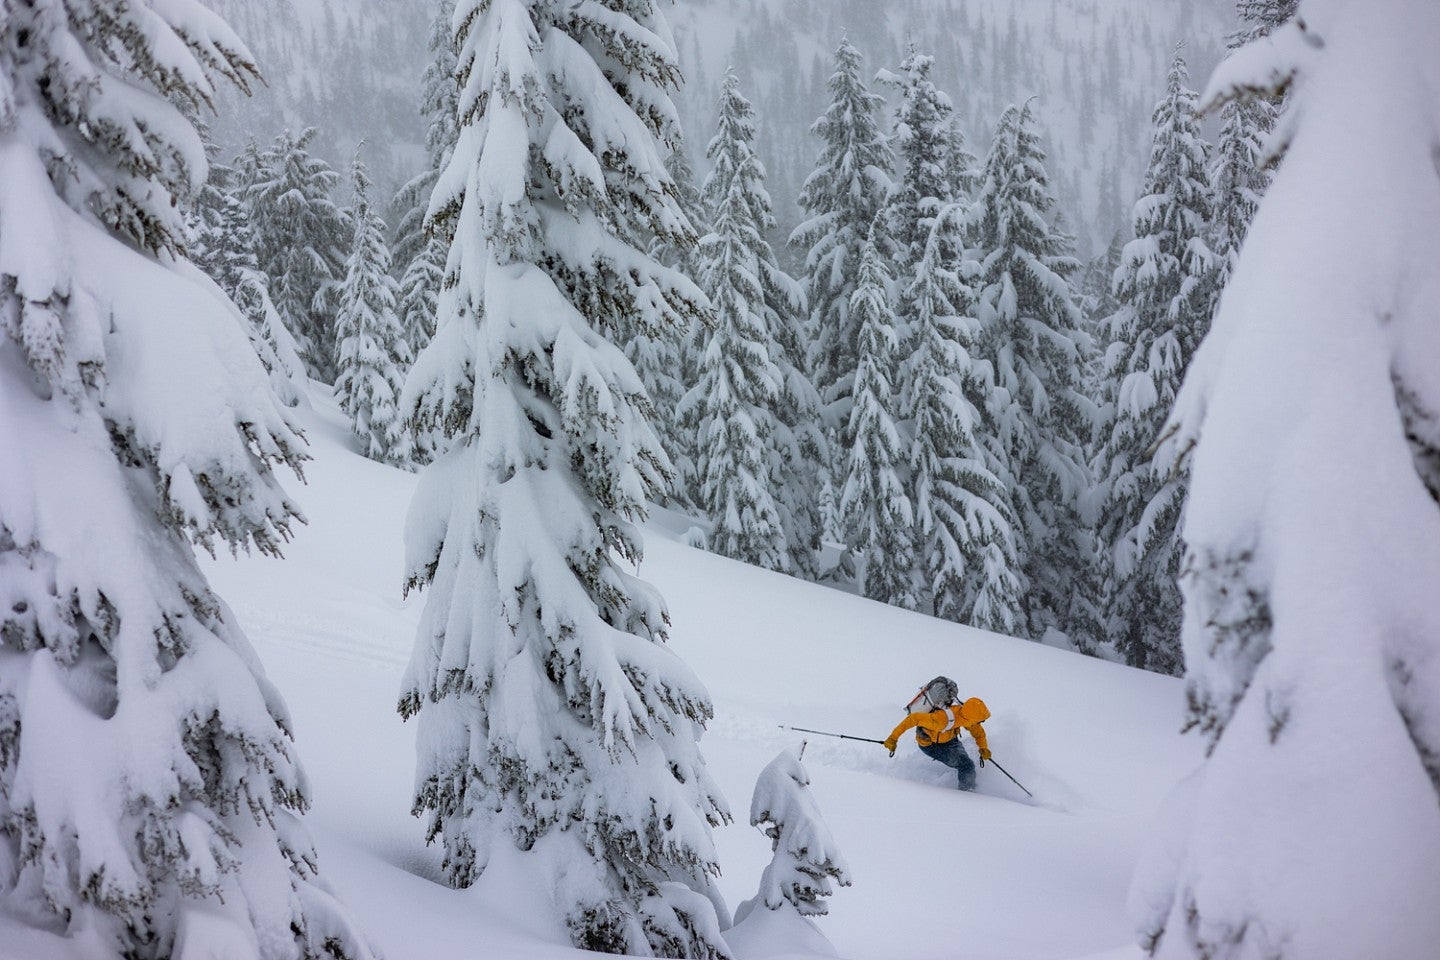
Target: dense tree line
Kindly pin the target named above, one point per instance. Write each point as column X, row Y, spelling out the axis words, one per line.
column 943, row 406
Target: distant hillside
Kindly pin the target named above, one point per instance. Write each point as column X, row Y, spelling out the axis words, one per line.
column 1096, row 66
column 352, row 68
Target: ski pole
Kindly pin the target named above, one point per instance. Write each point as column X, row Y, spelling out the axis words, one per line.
column 825, row 733
column 1012, row 779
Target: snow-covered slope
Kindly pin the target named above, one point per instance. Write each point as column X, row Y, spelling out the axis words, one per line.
column 936, row 872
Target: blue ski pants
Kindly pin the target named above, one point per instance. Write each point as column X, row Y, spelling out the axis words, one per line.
column 952, row 754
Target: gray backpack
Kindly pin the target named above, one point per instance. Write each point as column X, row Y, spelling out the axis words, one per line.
column 938, row 693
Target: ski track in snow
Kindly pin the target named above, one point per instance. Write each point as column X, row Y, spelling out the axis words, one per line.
column 322, row 635
column 908, row 764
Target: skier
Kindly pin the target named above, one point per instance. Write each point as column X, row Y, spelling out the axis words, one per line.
column 938, row 716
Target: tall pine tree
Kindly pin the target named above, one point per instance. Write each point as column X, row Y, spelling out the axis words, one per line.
column 223, row 246
column 924, row 144
column 149, row 795
column 1033, row 350
column 681, row 349
column 1241, row 165
column 961, row 510
column 659, row 355
column 841, row 199
column 963, row 519
column 874, row 501
column 1312, row 419
column 221, row 242
column 301, row 239
column 422, row 238
column 745, row 403
column 1164, row 288
column 371, row 351
column 1238, row 177
column 552, row 719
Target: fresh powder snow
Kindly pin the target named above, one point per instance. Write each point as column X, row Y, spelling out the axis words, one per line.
column 935, row 872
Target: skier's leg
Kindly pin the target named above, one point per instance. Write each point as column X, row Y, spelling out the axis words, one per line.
column 964, row 766
column 952, row 754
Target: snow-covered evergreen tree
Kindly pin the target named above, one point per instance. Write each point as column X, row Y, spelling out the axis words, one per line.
column 1242, row 160
column 743, row 377
column 1312, row 419
column 874, row 501
column 960, row 507
column 221, row 242
column 149, row 795
column 832, row 527
column 417, row 295
column 552, row 718
column 222, row 245
column 961, row 166
column 1238, row 177
column 439, row 99
column 1163, row 286
column 924, row 143
column 657, row 361
column 1260, row 18
column 668, row 250
column 1098, row 284
column 963, row 520
column 301, row 240
column 421, row 244
column 371, row 351
column 807, row 863
column 802, row 448
column 1033, row 349
column 841, row 199
column 272, row 342
column 658, row 356
column 670, row 370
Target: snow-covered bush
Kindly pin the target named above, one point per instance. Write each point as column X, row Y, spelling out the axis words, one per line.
column 806, row 862
column 149, row 796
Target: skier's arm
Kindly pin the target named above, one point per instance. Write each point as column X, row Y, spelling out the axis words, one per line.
column 894, row 739
column 971, row 714
column 978, row 732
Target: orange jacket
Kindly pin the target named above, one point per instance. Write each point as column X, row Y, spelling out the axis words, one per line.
column 945, row 724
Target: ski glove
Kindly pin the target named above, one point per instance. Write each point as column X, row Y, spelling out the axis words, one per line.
column 984, row 755
column 890, row 745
